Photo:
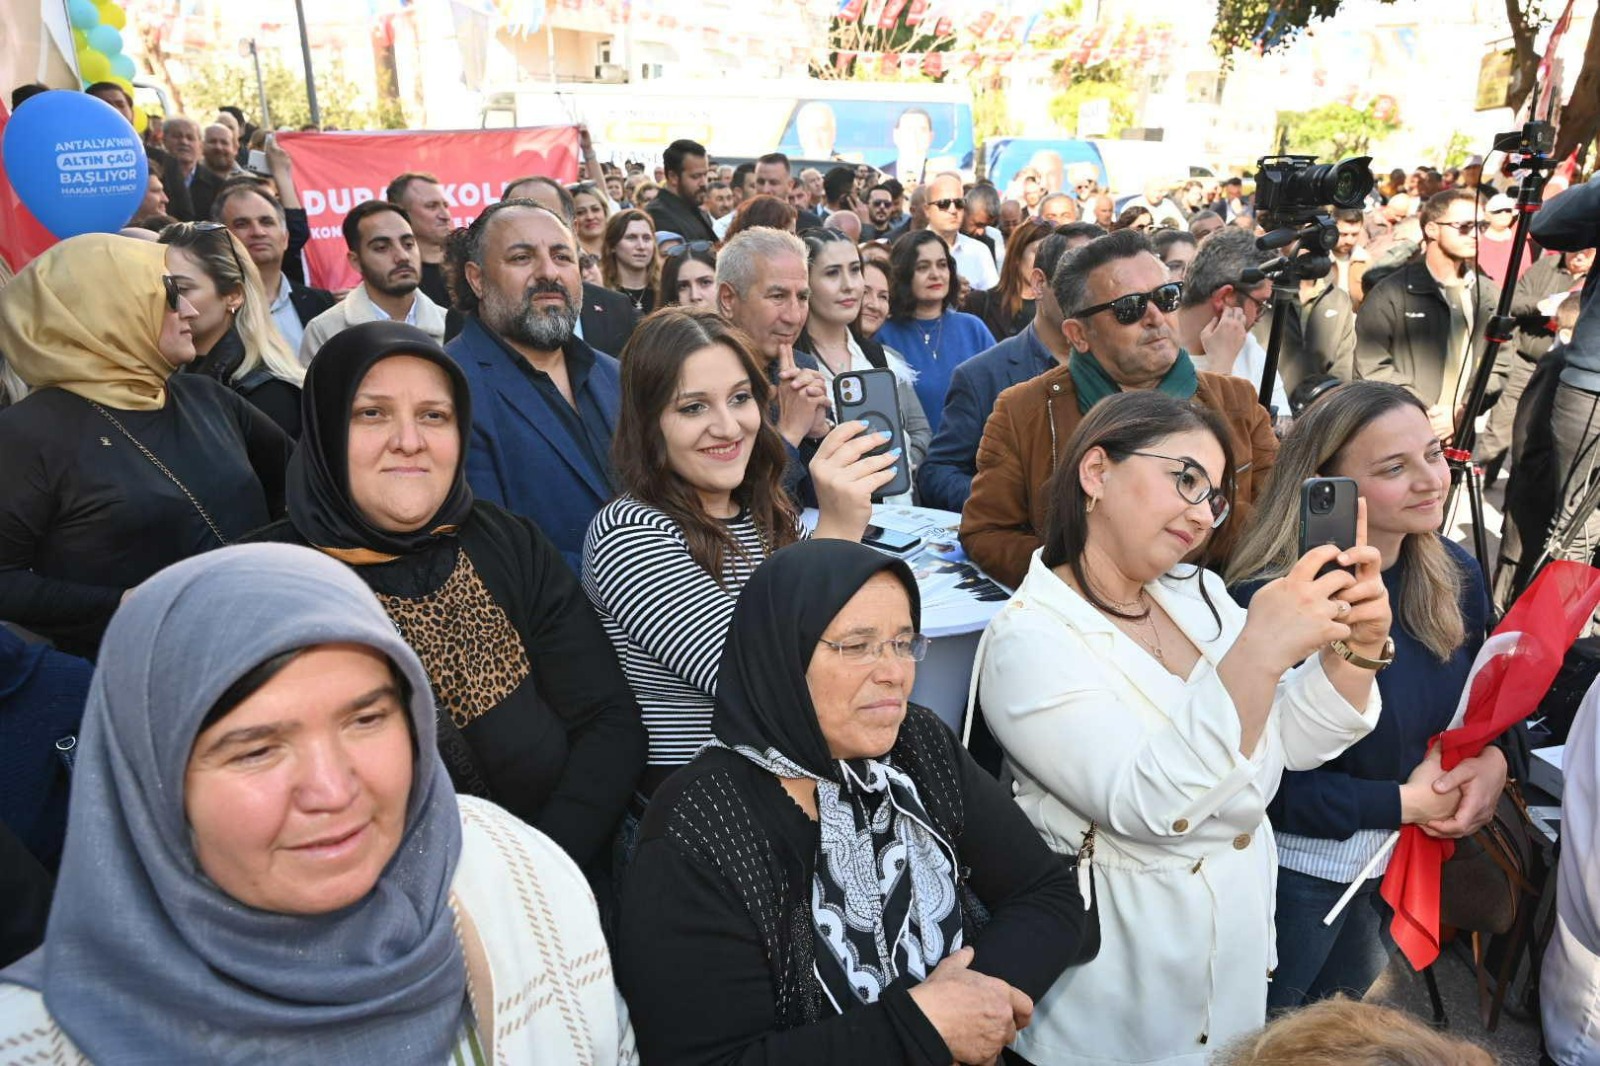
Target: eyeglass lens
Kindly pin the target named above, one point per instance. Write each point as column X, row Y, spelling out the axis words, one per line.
column 1131, row 308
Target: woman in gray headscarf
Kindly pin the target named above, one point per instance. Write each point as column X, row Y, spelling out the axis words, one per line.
column 265, row 861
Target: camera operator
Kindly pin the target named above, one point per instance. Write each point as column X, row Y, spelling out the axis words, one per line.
column 1422, row 327
column 1567, row 223
column 1218, row 309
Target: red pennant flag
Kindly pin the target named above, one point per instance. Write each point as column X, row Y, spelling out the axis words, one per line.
column 919, row 8
column 1511, row 675
column 891, row 14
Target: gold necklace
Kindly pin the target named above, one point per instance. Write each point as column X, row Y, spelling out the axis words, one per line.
column 1145, row 621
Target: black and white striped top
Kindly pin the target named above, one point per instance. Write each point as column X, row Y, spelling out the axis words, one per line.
column 666, row 615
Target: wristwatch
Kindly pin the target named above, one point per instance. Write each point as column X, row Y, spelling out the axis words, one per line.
column 1354, row 658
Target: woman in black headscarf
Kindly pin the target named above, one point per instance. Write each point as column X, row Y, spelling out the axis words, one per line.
column 534, row 712
column 810, row 888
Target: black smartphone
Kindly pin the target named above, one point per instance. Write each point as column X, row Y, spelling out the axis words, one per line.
column 870, row 396
column 1328, row 516
column 892, row 541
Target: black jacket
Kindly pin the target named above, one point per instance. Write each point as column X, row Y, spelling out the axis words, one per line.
column 202, row 190
column 179, row 205
column 1318, row 338
column 1403, row 332
column 308, row 303
column 608, row 319
column 672, row 213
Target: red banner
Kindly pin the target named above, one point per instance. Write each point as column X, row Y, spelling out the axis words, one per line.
column 335, row 171
column 21, row 235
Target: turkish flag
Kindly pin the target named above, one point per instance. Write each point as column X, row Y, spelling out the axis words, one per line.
column 1511, row 674
column 22, row 237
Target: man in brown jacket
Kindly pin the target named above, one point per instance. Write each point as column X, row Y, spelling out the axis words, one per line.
column 1118, row 301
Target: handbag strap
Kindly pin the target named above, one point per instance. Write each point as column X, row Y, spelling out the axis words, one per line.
column 159, row 465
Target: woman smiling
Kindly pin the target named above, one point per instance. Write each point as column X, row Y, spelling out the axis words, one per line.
column 266, row 861
column 704, row 504
column 535, row 715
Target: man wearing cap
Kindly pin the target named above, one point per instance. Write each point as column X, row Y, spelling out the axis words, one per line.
column 1494, row 247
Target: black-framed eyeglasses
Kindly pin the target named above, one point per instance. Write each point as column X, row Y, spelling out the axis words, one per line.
column 173, row 293
column 691, row 246
column 1194, row 485
column 1467, row 229
column 953, row 204
column 214, row 227
column 1265, row 305
column 1131, row 308
column 862, row 652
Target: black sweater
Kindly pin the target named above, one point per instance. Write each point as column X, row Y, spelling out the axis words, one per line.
column 85, row 516
column 553, row 729
column 714, row 949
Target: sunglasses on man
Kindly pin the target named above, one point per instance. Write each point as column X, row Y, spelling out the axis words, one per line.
column 1467, row 229
column 1131, row 308
column 954, row 204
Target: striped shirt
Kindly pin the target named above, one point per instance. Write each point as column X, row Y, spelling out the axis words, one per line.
column 666, row 615
column 1333, row 860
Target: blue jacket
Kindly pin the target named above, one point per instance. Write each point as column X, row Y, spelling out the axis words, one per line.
column 945, row 477
column 522, row 456
column 1361, row 788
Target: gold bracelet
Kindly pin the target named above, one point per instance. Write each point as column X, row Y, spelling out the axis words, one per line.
column 1355, row 658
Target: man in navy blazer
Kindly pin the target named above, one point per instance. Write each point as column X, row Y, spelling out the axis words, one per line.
column 544, row 404
column 944, row 479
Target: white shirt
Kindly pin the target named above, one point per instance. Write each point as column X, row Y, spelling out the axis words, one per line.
column 357, row 307
column 975, row 262
column 285, row 317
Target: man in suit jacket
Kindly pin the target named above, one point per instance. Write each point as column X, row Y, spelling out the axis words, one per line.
column 544, row 402
column 945, row 477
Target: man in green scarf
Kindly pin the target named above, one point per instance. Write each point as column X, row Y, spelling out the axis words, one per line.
column 1119, row 313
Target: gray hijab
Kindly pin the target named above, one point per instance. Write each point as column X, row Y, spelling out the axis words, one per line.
column 146, row 960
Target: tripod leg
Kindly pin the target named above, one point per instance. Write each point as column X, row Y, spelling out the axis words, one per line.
column 1480, row 536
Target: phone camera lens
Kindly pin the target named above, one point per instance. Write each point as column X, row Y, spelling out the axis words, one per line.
column 1322, row 499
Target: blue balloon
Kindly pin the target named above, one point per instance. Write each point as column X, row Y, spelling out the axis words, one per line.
column 75, row 163
column 83, row 13
column 104, row 38
column 122, row 66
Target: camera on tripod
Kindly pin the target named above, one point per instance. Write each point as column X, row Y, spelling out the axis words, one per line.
column 1293, row 192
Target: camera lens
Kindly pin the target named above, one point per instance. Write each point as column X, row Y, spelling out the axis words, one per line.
column 1322, row 498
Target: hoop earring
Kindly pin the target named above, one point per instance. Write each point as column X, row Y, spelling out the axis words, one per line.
column 1088, row 508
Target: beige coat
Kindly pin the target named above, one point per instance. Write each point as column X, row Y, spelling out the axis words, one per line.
column 539, row 976
column 1185, row 865
column 357, row 307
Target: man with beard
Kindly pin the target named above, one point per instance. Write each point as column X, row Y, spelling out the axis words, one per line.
column 382, row 247
column 544, row 402
column 880, row 213
column 1116, row 302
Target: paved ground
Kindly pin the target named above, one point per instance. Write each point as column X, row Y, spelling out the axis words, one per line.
column 1515, row 1040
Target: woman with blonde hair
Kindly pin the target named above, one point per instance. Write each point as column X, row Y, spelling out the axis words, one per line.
column 591, row 207
column 237, row 342
column 629, row 261
column 1331, row 821
column 1342, row 1032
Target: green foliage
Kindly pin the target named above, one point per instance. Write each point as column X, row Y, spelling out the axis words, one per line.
column 230, row 80
column 1101, row 81
column 1456, row 150
column 990, row 115
column 1241, row 24
column 1332, row 131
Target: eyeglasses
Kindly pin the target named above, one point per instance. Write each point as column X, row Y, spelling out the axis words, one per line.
column 880, row 203
column 1264, row 305
column 862, row 652
column 217, row 227
column 173, row 295
column 956, row 204
column 1194, row 486
column 692, row 246
column 1131, row 308
column 1466, row 229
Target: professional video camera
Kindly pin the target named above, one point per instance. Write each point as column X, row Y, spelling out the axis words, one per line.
column 1293, row 193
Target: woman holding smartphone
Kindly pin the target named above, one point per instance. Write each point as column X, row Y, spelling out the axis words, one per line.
column 703, row 504
column 1330, row 821
column 1134, row 699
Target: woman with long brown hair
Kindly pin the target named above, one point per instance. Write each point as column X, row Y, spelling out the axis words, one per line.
column 629, row 262
column 1332, row 820
column 1008, row 307
column 703, row 504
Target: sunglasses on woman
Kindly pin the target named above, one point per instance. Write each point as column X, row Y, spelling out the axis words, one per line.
column 1194, row 485
column 173, row 295
column 1131, row 308
column 217, row 227
column 692, row 246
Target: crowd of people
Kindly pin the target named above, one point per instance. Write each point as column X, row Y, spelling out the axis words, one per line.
column 483, row 663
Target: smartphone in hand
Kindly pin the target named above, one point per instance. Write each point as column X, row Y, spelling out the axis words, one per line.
column 1328, row 516
column 871, row 396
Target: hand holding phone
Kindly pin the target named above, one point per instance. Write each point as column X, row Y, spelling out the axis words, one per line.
column 851, row 466
column 873, row 397
column 1328, row 516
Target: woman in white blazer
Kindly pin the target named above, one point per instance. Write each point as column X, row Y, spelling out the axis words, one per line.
column 1129, row 691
